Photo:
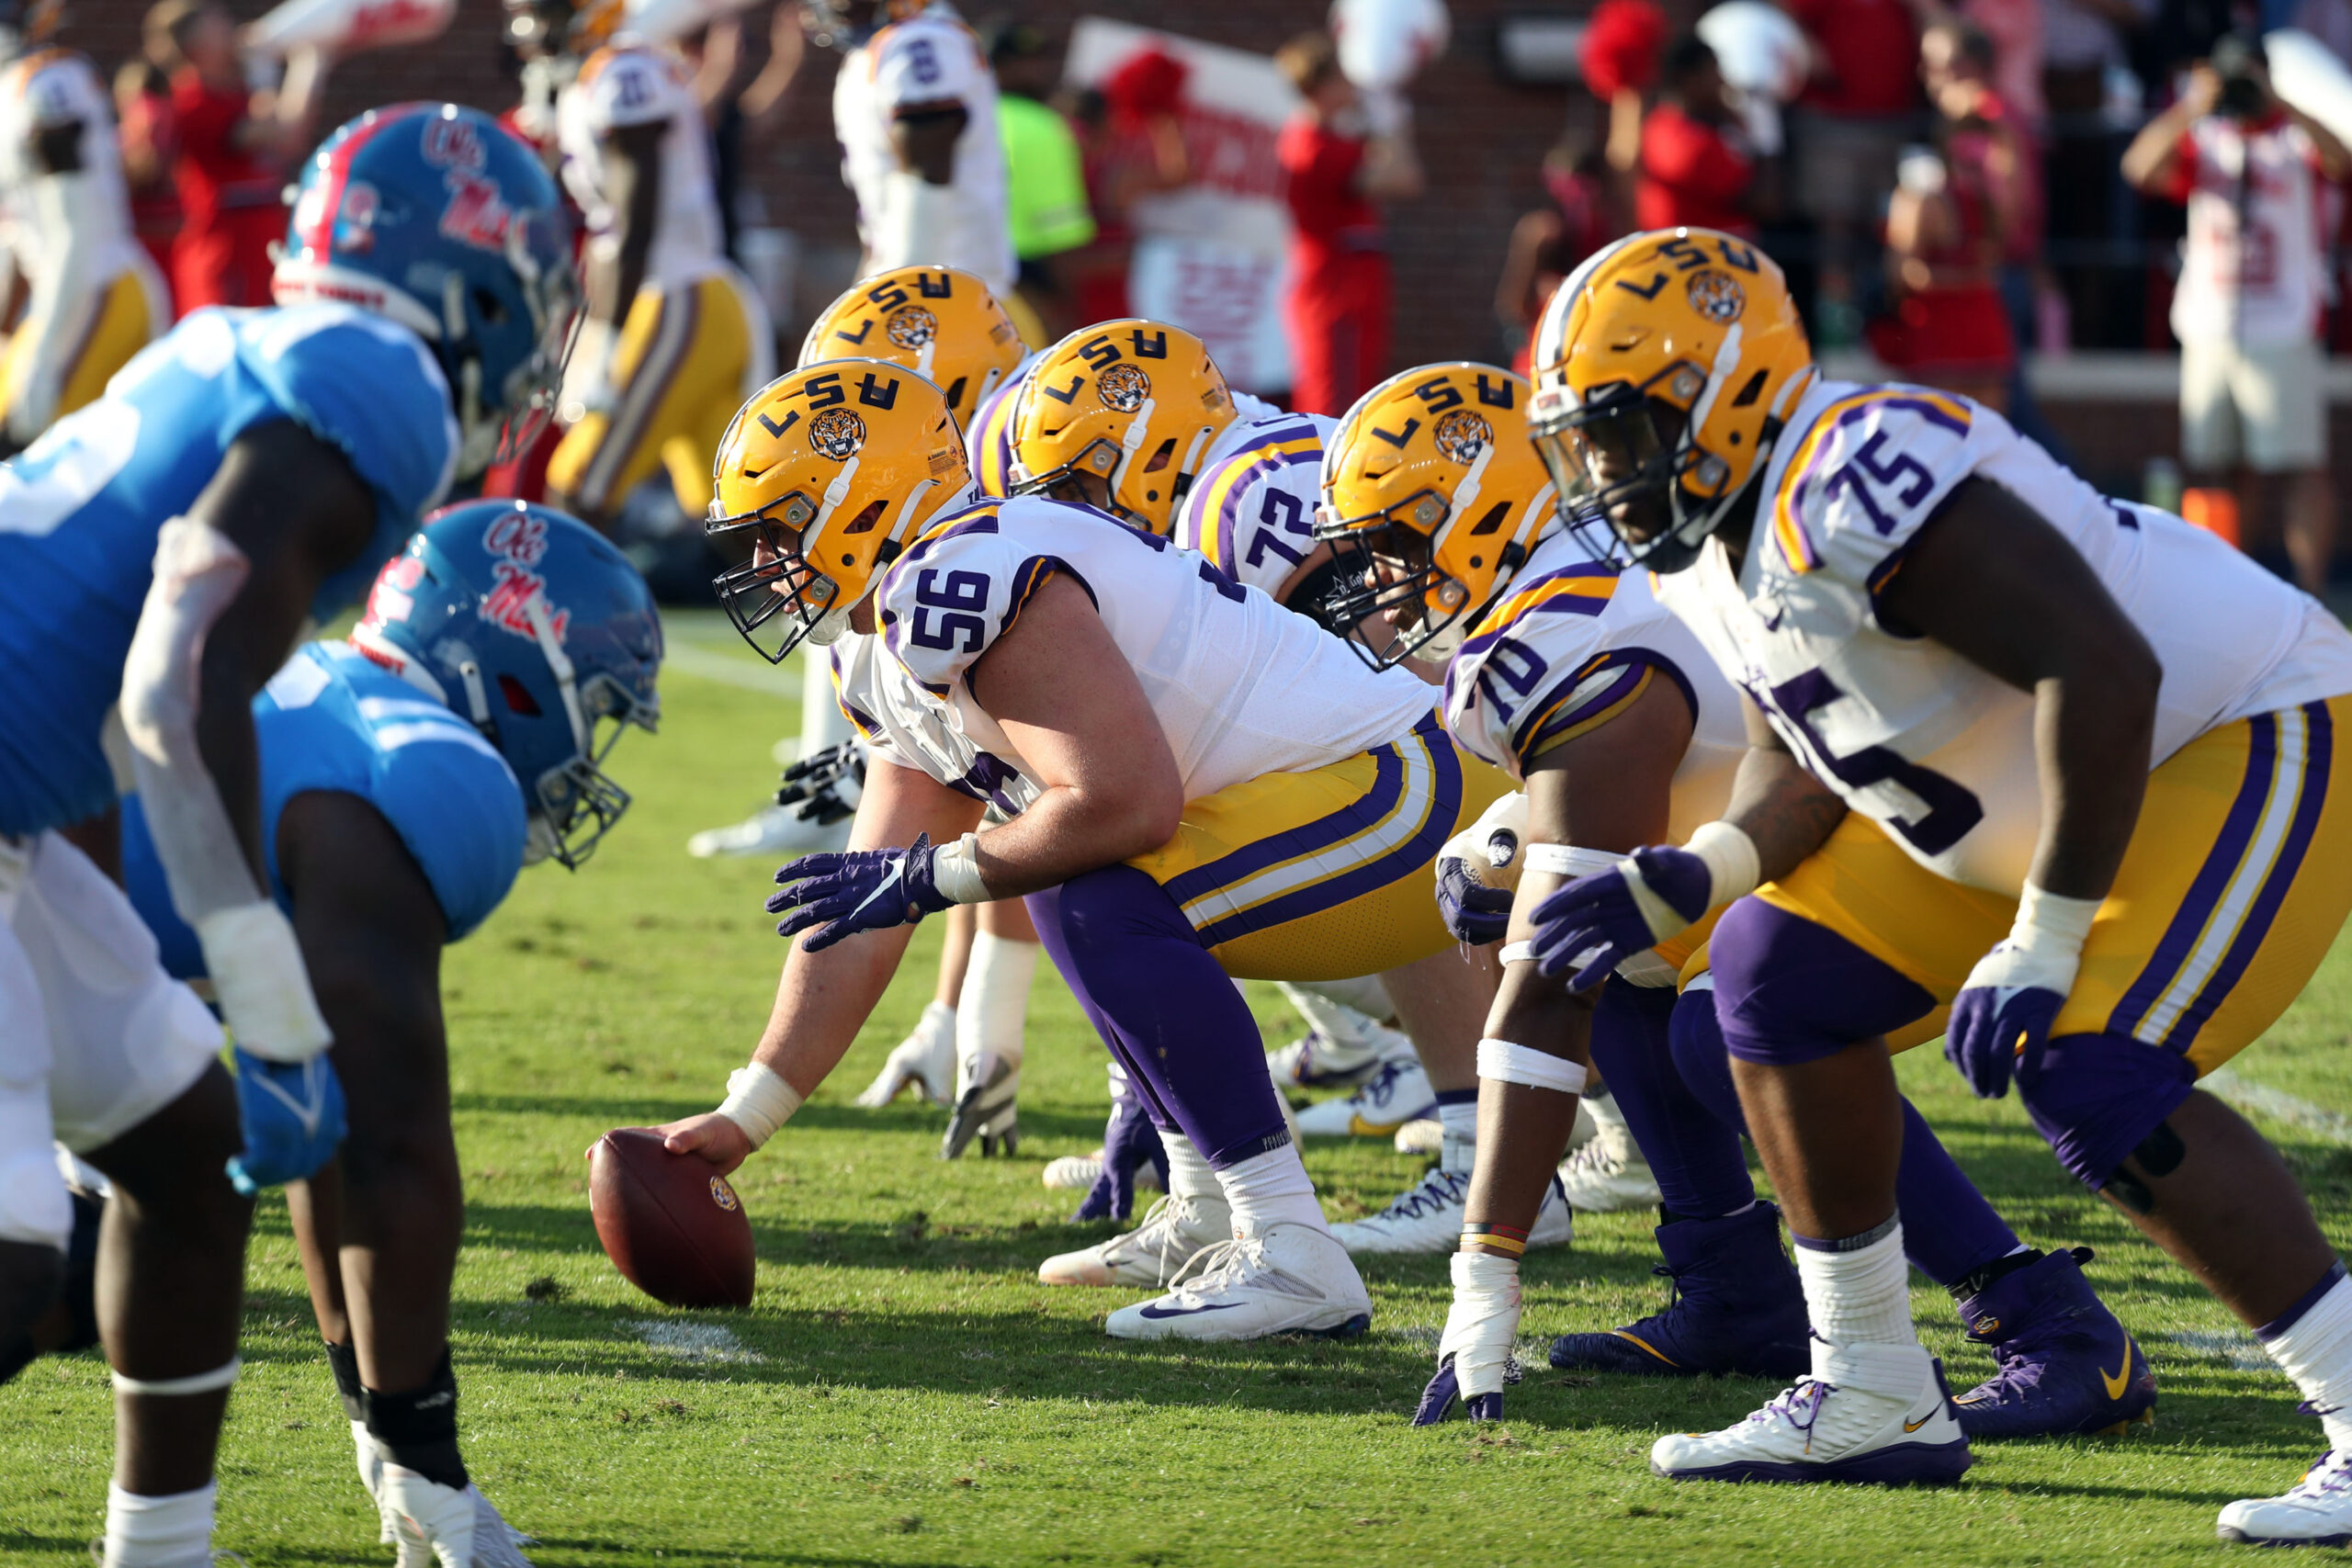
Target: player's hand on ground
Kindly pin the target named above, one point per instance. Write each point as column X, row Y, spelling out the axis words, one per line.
column 855, row 890
column 1474, row 1356
column 2001, row 1019
column 1130, row 1142
column 292, row 1116
column 714, row 1138
column 1596, row 923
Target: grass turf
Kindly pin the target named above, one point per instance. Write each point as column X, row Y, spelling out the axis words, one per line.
column 903, row 1392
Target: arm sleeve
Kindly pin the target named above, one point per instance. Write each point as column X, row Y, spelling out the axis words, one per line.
column 922, row 67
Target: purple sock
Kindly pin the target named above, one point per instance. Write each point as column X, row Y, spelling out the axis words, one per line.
column 1701, row 1171
column 1949, row 1230
column 1165, row 1007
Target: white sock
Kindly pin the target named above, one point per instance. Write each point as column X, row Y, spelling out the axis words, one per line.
column 160, row 1533
column 822, row 723
column 1341, row 1027
column 992, row 1010
column 1268, row 1188
column 1858, row 1291
column 2315, row 1350
column 1459, row 1150
column 1189, row 1175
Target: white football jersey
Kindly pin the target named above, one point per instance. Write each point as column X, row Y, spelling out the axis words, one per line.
column 636, row 84
column 1242, row 687
column 54, row 88
column 1569, row 647
column 1252, row 509
column 930, row 60
column 1910, row 734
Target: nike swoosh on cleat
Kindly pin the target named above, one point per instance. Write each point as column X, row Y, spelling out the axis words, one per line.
column 1156, row 1313
column 1915, row 1426
column 2123, row 1374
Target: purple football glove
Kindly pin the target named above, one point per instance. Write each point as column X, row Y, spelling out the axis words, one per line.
column 858, row 890
column 1474, row 912
column 2001, row 1019
column 1595, row 923
column 1130, row 1142
column 1437, row 1399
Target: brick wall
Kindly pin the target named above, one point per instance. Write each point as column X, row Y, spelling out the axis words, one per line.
column 1481, row 139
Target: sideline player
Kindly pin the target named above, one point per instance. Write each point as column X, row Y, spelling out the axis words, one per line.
column 1163, row 742
column 2104, row 741
column 914, row 110
column 506, row 644
column 96, row 298
column 249, row 471
column 675, row 337
column 1571, row 677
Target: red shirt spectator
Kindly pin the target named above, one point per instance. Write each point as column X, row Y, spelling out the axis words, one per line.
column 1870, row 49
column 1328, row 212
column 230, row 197
column 1691, row 175
column 150, row 143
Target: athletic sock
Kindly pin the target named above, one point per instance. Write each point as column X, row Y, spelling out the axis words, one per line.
column 992, row 1010
column 160, row 1533
column 1857, row 1287
column 1949, row 1229
column 1189, row 1175
column 1457, row 1112
column 1649, row 1107
column 418, row 1430
column 2312, row 1342
column 1269, row 1187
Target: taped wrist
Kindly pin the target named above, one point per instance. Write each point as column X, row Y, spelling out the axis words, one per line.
column 759, row 1101
column 260, row 982
column 955, row 871
column 2053, row 924
column 1483, row 1323
column 1506, row 1063
column 418, row 1430
column 1567, row 860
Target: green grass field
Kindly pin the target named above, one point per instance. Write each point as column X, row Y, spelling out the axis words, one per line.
column 903, row 1392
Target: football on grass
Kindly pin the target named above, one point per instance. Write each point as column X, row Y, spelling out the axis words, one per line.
column 673, row 1227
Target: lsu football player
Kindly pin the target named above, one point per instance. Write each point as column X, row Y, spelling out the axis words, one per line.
column 1200, row 784
column 1134, row 419
column 914, row 109
column 1572, row 678
column 2103, row 741
column 165, row 545
column 675, row 337
column 96, row 295
column 407, row 775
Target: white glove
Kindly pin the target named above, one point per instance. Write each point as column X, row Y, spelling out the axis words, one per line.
column 925, row 1059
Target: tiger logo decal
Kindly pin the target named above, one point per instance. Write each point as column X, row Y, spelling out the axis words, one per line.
column 837, row 433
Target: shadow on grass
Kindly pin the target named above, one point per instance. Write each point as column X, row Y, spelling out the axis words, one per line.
column 689, row 1554
column 907, row 1115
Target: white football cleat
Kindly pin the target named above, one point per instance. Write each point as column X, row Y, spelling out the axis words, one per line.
column 925, row 1059
column 1150, row 1255
column 1317, row 1061
column 1280, row 1277
column 1429, row 1218
column 1399, row 1093
column 370, row 1460
column 1425, row 1138
column 1609, row 1174
column 2316, row 1511
column 988, row 1108
column 1832, row 1425
column 775, row 830
column 1078, row 1173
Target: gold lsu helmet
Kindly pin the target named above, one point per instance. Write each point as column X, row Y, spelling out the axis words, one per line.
column 941, row 322
column 828, row 473
column 1664, row 367
column 1431, row 498
column 1133, row 404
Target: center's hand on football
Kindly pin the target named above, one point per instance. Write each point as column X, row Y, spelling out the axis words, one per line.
column 716, row 1138
column 856, row 890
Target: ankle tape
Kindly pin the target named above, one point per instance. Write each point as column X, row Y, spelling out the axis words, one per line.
column 419, row 1428
column 344, row 1361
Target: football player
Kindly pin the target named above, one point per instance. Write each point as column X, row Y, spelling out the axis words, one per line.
column 1572, row 678
column 96, row 296
column 1184, row 457
column 1200, row 784
column 167, row 544
column 674, row 337
column 407, row 775
column 2102, row 740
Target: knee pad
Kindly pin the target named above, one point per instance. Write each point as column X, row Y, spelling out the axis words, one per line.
column 1697, row 1043
column 2098, row 1097
column 1789, row 991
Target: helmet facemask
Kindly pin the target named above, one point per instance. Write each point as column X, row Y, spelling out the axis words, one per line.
column 777, row 588
column 502, row 431
column 1391, row 600
column 578, row 802
column 1635, row 486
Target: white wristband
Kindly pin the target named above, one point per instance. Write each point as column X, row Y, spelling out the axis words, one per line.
column 759, row 1101
column 955, row 871
column 1566, row 860
column 261, row 984
column 2053, row 923
column 1731, row 858
column 1506, row 1063
column 1516, row 953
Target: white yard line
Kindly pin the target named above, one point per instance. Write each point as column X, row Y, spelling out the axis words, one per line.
column 2233, row 1343
column 693, row 1341
column 727, row 668
column 2279, row 1106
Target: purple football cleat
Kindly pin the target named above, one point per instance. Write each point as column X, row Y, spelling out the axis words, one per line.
column 2066, row 1365
column 1736, row 1308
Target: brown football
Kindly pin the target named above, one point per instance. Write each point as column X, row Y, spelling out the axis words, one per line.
column 673, row 1227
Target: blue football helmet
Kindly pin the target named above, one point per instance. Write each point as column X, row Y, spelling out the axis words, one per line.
column 434, row 216
column 535, row 628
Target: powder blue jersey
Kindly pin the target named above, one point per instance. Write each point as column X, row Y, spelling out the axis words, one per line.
column 79, row 509
column 331, row 720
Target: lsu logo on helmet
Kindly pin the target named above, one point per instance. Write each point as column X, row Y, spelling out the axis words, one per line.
column 939, row 322
column 1132, row 406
